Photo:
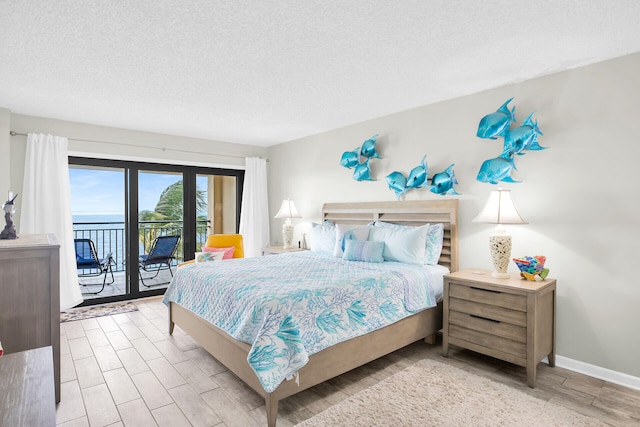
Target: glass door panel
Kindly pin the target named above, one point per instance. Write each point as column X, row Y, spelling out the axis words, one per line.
column 98, row 208
column 160, row 215
column 216, row 206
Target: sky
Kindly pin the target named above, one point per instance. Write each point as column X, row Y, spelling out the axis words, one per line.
column 101, row 191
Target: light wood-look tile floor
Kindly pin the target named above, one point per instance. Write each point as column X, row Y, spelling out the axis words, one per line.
column 125, row 370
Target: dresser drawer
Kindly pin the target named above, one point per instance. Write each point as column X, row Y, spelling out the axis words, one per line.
column 491, row 312
column 504, row 345
column 489, row 297
column 489, row 326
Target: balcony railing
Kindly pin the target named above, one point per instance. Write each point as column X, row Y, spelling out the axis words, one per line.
column 109, row 237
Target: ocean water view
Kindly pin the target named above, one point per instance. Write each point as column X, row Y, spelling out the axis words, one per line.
column 107, row 232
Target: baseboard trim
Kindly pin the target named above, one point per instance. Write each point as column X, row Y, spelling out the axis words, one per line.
column 614, row 377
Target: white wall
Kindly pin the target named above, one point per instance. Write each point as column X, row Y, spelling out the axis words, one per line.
column 580, row 196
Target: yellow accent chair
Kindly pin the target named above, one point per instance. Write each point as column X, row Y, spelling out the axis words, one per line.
column 224, row 241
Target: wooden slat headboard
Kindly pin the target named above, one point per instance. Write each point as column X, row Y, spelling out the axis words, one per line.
column 409, row 212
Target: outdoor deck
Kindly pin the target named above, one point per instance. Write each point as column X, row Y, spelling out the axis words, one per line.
column 93, row 284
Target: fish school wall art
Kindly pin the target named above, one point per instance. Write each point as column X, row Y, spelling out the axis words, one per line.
column 351, row 159
column 441, row 183
column 515, row 142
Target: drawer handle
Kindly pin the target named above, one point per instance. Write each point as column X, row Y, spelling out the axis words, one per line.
column 484, row 318
column 486, row 290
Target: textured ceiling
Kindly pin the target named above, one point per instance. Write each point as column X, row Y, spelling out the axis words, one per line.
column 267, row 71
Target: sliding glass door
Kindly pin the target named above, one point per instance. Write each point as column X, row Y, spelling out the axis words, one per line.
column 164, row 215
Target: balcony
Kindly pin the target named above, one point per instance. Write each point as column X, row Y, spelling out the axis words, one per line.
column 109, row 237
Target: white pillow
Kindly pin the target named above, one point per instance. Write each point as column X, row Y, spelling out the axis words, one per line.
column 402, row 244
column 322, row 237
column 348, row 232
column 434, row 240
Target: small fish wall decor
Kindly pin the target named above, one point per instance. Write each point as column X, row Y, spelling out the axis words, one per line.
column 497, row 124
column 516, row 141
column 441, row 183
column 418, row 175
column 351, row 159
column 397, row 183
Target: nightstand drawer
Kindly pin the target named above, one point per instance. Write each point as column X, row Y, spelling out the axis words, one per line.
column 489, row 326
column 485, row 296
column 492, row 312
column 483, row 339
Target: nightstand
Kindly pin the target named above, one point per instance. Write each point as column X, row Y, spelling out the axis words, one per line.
column 275, row 250
column 510, row 319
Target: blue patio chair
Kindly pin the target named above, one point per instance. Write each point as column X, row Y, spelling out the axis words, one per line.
column 89, row 265
column 159, row 258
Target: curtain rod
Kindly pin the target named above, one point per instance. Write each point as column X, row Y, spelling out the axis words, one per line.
column 13, row 133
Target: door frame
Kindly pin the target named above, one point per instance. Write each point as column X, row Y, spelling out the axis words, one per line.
column 132, row 253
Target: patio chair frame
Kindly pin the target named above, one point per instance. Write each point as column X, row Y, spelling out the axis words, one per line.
column 154, row 261
column 96, row 266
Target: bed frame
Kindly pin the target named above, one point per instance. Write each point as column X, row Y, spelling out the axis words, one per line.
column 347, row 355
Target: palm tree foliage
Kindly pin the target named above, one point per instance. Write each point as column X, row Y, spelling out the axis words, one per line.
column 167, row 216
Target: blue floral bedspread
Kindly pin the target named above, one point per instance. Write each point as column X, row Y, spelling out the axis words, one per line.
column 290, row 306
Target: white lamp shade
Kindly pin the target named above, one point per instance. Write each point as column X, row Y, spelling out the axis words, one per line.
column 499, row 209
column 288, row 210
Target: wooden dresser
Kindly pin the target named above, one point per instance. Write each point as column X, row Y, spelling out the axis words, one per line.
column 510, row 319
column 27, row 397
column 30, row 302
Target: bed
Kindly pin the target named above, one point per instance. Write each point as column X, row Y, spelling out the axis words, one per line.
column 346, row 355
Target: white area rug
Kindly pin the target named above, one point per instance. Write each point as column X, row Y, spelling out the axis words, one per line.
column 431, row 393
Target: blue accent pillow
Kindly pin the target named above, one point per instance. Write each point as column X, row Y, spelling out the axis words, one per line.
column 362, row 250
column 346, row 232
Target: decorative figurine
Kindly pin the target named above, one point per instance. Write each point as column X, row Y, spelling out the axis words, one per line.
column 362, row 172
column 350, row 159
column 532, row 266
column 442, row 183
column 9, row 231
column 497, row 124
column 418, row 175
column 369, row 148
column 397, row 183
column 496, row 170
column 523, row 138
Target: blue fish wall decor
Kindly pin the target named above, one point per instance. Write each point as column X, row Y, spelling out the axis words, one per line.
column 418, row 175
column 369, row 148
column 397, row 183
column 350, row 158
column 362, row 172
column 524, row 137
column 496, row 170
column 497, row 124
column 442, row 183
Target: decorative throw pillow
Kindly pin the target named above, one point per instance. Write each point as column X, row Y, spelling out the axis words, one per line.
column 227, row 252
column 322, row 237
column 346, row 232
column 435, row 239
column 209, row 256
column 401, row 244
column 362, row 250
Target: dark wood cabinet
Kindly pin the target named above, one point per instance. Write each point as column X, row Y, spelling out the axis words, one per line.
column 30, row 296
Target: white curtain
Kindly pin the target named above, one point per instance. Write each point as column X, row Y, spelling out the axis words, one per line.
column 46, row 206
column 254, row 216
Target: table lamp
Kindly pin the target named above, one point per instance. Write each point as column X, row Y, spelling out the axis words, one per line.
column 287, row 210
column 499, row 210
